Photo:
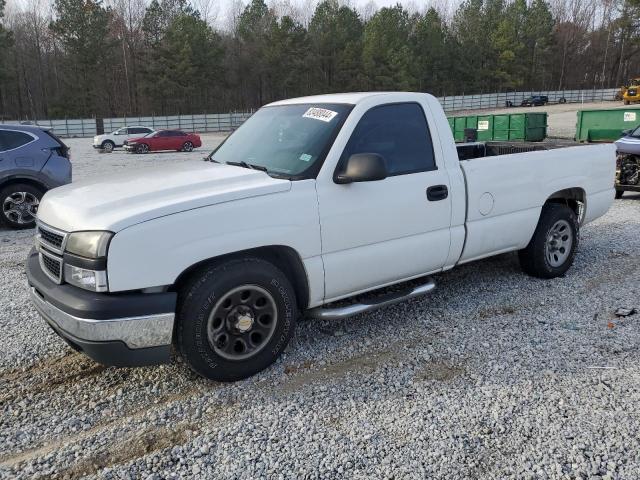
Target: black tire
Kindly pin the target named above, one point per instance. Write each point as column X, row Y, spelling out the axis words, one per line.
column 187, row 147
column 14, row 213
column 142, row 148
column 619, row 194
column 548, row 254
column 108, row 146
column 206, row 295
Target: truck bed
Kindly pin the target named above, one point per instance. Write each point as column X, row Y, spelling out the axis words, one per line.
column 472, row 150
column 507, row 184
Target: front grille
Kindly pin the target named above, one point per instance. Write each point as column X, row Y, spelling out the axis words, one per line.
column 50, row 238
column 51, row 243
column 52, row 266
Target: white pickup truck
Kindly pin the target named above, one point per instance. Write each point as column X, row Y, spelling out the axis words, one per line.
column 312, row 200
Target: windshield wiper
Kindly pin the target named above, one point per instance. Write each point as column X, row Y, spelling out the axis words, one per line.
column 249, row 166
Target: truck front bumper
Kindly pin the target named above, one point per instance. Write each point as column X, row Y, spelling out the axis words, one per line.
column 116, row 329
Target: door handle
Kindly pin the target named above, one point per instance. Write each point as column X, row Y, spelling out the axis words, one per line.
column 437, row 192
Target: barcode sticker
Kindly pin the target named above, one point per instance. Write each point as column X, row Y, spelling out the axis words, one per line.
column 320, row 114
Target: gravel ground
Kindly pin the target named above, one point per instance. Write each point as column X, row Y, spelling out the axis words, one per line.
column 495, row 375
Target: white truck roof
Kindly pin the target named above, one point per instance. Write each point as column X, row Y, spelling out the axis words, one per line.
column 349, row 98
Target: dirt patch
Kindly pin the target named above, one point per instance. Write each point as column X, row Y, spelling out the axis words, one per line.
column 624, row 265
column 439, row 371
column 42, row 376
column 123, row 418
column 496, row 311
column 359, row 364
column 136, row 446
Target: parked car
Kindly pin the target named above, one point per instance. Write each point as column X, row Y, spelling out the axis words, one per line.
column 312, row 200
column 32, row 161
column 164, row 140
column 109, row 141
column 535, row 101
column 628, row 162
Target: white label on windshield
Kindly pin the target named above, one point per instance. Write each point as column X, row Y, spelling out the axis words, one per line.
column 483, row 124
column 320, row 114
column 305, row 157
column 629, row 116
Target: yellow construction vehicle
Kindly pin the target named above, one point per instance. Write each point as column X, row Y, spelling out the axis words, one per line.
column 630, row 93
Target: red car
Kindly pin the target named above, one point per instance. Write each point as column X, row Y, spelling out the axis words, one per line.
column 164, row 140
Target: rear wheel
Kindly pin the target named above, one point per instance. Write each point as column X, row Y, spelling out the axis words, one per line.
column 20, row 205
column 235, row 318
column 552, row 249
column 142, row 148
column 187, row 147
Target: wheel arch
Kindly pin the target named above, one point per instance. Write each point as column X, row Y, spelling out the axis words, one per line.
column 575, row 198
column 12, row 180
column 283, row 257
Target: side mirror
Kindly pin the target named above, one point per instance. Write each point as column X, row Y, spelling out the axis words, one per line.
column 626, row 133
column 363, row 167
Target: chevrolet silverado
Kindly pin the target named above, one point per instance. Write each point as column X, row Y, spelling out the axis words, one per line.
column 311, row 201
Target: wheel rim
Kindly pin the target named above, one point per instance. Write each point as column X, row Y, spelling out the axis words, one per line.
column 107, row 147
column 559, row 243
column 143, row 148
column 242, row 322
column 21, row 207
column 188, row 146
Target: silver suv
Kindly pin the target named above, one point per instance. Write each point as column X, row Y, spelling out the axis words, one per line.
column 32, row 161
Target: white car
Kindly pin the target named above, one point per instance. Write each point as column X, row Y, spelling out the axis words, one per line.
column 312, row 200
column 116, row 139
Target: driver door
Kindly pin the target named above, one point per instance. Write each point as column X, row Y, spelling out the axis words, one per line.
column 381, row 232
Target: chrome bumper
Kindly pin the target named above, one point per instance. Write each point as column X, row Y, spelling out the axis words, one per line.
column 135, row 332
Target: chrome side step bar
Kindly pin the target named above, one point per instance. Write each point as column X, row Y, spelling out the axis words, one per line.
column 338, row 313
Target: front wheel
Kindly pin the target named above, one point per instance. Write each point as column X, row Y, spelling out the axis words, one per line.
column 142, row 148
column 19, row 205
column 235, row 318
column 108, row 146
column 552, row 249
column 619, row 194
column 187, row 147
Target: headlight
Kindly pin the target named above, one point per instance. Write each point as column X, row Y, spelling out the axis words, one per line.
column 89, row 244
column 93, row 280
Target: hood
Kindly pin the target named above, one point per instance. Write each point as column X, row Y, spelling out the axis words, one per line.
column 629, row 145
column 119, row 201
column 135, row 139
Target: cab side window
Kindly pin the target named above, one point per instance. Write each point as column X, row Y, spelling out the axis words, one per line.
column 397, row 132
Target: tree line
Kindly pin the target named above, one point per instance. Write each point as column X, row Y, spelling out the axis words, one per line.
column 83, row 58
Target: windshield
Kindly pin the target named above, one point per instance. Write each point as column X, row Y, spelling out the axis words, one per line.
column 288, row 140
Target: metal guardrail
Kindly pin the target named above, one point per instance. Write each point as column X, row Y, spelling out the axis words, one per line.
column 216, row 122
column 499, row 100
column 221, row 122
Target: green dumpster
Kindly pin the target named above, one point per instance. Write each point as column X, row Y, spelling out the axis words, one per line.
column 526, row 127
column 605, row 125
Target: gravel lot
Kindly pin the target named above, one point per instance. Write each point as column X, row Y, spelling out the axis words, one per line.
column 495, row 375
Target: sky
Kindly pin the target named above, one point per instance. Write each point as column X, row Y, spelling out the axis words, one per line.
column 220, row 12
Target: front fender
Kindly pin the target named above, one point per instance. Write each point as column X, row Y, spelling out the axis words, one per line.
column 154, row 253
